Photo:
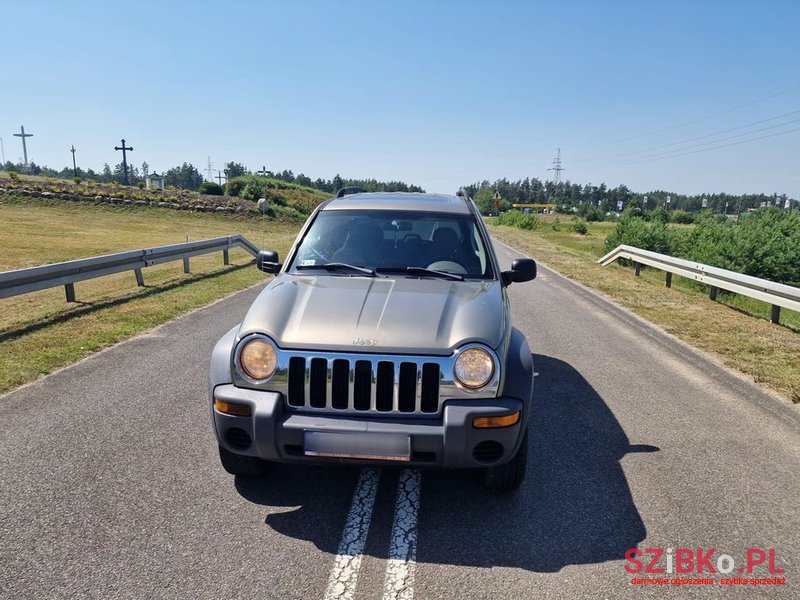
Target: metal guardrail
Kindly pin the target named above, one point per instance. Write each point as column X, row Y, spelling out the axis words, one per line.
column 776, row 294
column 23, row 281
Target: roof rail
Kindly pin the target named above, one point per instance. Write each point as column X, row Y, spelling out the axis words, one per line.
column 350, row 189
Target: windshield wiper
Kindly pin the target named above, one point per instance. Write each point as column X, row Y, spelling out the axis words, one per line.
column 422, row 271
column 337, row 266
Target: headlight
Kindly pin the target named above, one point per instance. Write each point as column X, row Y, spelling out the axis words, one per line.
column 474, row 368
column 258, row 359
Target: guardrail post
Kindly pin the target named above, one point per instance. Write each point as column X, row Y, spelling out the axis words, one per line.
column 638, row 268
column 186, row 260
column 225, row 258
column 712, row 292
column 776, row 314
column 139, row 277
column 669, row 279
column 69, row 288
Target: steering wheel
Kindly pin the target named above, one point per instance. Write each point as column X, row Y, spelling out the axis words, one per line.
column 449, row 266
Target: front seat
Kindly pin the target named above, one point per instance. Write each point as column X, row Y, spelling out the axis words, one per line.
column 362, row 246
column 447, row 247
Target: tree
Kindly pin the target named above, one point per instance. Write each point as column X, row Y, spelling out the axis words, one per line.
column 234, row 169
column 185, row 176
column 145, row 169
column 484, row 200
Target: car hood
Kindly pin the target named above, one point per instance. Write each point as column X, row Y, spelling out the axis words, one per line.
column 377, row 315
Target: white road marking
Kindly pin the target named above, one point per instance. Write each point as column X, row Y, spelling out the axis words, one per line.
column 399, row 582
column 344, row 574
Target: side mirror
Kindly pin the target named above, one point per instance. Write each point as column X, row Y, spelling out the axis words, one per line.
column 267, row 261
column 522, row 269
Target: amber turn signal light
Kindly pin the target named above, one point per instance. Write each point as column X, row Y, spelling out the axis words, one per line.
column 504, row 421
column 232, row 408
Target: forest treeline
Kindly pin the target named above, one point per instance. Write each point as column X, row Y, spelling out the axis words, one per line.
column 594, row 201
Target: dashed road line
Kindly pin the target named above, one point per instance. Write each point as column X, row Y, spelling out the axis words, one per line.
column 399, row 582
column 344, row 574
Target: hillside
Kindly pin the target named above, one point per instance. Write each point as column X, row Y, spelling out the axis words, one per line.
column 290, row 202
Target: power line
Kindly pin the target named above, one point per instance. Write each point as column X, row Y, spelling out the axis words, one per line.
column 717, row 141
column 701, row 137
column 704, row 118
column 763, row 137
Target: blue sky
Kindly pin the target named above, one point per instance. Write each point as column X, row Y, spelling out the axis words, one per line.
column 439, row 94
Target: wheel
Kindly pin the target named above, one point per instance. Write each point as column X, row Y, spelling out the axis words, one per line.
column 508, row 477
column 244, row 466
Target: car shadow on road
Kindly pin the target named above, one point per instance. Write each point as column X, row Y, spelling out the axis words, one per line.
column 575, row 506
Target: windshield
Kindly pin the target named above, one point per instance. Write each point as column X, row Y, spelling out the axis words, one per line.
column 392, row 241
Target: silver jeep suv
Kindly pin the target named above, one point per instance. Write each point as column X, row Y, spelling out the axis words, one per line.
column 385, row 338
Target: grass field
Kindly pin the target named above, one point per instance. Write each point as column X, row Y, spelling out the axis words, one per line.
column 40, row 332
column 734, row 329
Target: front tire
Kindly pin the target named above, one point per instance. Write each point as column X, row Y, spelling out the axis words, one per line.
column 509, row 476
column 243, row 466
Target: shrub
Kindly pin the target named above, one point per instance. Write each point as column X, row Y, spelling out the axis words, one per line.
column 681, row 216
column 235, row 186
column 287, row 213
column 77, row 180
column 632, row 230
column 658, row 214
column 210, row 188
column 579, row 226
column 766, row 245
column 13, row 175
column 514, row 218
column 556, row 224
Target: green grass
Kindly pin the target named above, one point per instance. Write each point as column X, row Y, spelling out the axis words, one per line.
column 40, row 332
column 735, row 329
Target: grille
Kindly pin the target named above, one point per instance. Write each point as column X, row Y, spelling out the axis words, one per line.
column 364, row 385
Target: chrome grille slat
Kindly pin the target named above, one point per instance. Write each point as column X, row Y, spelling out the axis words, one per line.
column 396, row 387
column 329, row 385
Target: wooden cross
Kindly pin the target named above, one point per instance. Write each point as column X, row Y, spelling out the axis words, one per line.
column 220, row 176
column 24, row 135
column 74, row 167
column 263, row 172
column 124, row 159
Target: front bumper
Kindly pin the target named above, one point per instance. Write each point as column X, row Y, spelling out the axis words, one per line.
column 277, row 434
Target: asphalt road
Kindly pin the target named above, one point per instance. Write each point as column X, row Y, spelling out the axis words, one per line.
column 110, row 485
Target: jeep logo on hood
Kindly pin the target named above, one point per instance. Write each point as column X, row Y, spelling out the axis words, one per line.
column 364, row 342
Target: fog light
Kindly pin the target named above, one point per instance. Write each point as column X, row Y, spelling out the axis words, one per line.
column 488, row 422
column 232, row 408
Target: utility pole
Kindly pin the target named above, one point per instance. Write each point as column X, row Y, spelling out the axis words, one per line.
column 209, row 171
column 124, row 158
column 24, row 135
column 220, row 176
column 74, row 166
column 557, row 168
